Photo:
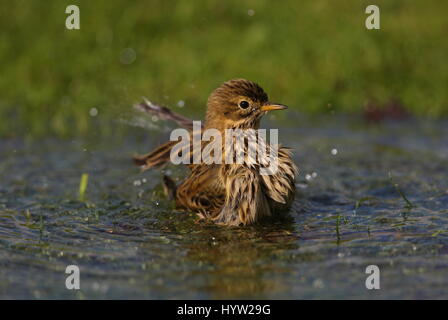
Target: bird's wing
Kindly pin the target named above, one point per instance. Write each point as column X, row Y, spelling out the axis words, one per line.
column 164, row 113
column 157, row 158
column 161, row 155
column 202, row 191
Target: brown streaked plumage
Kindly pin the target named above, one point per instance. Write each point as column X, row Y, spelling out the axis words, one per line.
column 229, row 194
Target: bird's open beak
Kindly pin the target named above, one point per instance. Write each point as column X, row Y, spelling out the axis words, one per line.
column 273, row 106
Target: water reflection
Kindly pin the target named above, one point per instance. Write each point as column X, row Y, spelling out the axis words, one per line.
column 237, row 260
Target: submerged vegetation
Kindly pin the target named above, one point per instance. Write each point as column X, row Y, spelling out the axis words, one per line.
column 315, row 56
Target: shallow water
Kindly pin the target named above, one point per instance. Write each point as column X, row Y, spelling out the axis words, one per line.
column 129, row 243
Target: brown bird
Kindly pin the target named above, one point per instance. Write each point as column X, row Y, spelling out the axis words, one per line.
column 229, row 193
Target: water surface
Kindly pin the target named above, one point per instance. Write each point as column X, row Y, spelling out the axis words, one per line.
column 130, row 243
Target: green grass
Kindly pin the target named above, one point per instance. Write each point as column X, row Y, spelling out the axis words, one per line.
column 315, row 56
column 83, row 186
column 409, row 204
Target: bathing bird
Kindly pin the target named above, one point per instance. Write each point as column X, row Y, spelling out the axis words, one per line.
column 231, row 193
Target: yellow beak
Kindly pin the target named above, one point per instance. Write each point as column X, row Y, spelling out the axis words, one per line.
column 274, row 106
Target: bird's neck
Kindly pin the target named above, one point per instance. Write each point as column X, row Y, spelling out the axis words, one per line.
column 243, row 124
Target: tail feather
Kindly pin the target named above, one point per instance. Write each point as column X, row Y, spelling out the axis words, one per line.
column 169, row 187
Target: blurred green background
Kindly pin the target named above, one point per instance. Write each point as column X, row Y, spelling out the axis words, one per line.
column 316, row 56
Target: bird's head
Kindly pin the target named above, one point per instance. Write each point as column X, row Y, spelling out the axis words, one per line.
column 239, row 104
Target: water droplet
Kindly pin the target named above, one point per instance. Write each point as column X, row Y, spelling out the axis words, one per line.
column 181, row 103
column 334, row 151
column 93, row 112
column 318, row 283
column 128, row 56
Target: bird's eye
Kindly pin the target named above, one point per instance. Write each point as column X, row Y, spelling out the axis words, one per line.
column 244, row 104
